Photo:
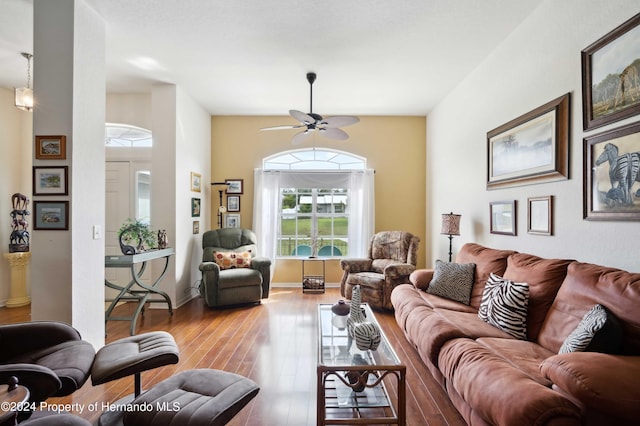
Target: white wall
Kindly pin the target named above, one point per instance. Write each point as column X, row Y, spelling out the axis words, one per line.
column 538, row 62
column 15, row 173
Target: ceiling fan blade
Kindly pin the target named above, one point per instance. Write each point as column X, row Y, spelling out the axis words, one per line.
column 300, row 137
column 302, row 117
column 334, row 133
column 339, row 121
column 283, row 127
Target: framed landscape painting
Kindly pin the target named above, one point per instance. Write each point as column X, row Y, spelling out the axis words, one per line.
column 50, row 180
column 502, row 217
column 611, row 76
column 612, row 174
column 532, row 148
column 51, row 215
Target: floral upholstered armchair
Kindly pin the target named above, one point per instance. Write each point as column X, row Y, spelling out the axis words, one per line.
column 232, row 273
column 392, row 258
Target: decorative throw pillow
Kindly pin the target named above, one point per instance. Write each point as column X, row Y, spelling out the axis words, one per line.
column 504, row 305
column 599, row 331
column 230, row 260
column 452, row 281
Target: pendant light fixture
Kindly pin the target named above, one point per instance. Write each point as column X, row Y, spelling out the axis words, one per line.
column 24, row 95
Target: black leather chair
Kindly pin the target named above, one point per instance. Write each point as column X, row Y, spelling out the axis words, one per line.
column 47, row 357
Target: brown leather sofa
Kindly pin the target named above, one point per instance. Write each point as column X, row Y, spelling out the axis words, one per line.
column 495, row 379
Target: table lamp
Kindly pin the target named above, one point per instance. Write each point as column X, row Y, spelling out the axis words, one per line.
column 450, row 227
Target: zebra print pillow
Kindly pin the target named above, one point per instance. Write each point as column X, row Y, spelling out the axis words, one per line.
column 452, row 281
column 599, row 331
column 504, row 305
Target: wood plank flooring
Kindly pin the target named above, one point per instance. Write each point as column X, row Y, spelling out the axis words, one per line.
column 274, row 344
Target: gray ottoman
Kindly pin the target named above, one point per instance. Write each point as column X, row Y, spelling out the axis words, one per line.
column 193, row 398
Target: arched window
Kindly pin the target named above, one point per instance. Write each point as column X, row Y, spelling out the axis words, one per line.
column 316, row 195
column 125, row 135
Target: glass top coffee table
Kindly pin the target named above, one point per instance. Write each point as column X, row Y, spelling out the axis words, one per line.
column 351, row 382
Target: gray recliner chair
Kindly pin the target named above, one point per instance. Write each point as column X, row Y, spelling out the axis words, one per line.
column 232, row 273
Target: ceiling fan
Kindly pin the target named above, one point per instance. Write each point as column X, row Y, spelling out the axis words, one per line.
column 328, row 127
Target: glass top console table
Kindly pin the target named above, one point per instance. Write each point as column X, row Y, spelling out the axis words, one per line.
column 136, row 290
column 350, row 382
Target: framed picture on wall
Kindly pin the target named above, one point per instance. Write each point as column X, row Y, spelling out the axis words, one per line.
column 196, row 227
column 234, row 186
column 51, row 148
column 610, row 76
column 611, row 178
column 232, row 220
column 233, row 203
column 540, row 215
column 502, row 217
column 51, row 215
column 50, row 180
column 196, row 182
column 532, row 148
column 195, row 207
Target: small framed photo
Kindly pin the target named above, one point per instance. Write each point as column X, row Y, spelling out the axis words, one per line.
column 196, row 182
column 50, row 180
column 502, row 217
column 540, row 215
column 234, row 186
column 51, row 215
column 233, row 203
column 195, row 207
column 51, row 148
column 196, row 226
column 232, row 221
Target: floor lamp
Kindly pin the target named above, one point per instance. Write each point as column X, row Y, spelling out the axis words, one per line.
column 450, row 227
column 221, row 208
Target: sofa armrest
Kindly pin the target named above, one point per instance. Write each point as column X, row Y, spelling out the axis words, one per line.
column 353, row 266
column 208, row 267
column 41, row 381
column 606, row 383
column 421, row 278
column 263, row 264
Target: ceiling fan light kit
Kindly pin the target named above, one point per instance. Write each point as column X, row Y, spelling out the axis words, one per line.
column 328, row 127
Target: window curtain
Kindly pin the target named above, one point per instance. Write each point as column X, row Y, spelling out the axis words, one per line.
column 361, row 212
column 266, row 204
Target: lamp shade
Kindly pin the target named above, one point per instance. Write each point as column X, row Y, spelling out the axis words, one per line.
column 24, row 98
column 450, row 224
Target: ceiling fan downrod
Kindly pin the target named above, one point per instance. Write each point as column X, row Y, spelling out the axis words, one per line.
column 311, row 77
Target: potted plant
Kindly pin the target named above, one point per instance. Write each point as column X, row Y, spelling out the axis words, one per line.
column 135, row 236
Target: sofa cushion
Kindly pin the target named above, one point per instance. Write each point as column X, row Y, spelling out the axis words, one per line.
column 599, row 331
column 487, row 260
column 231, row 259
column 452, row 281
column 544, row 277
column 498, row 392
column 585, row 285
column 504, row 305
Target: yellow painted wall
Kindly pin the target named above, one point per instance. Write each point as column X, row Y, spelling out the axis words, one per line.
column 394, row 146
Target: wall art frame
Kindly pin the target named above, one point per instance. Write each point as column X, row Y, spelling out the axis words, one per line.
column 503, row 218
column 196, row 227
column 51, row 215
column 51, row 147
column 612, row 196
column 540, row 215
column 196, row 182
column 532, row 148
column 234, row 186
column 50, row 180
column 195, row 207
column 611, row 66
column 233, row 203
column 232, row 220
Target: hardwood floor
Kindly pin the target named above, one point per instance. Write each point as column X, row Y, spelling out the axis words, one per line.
column 274, row 344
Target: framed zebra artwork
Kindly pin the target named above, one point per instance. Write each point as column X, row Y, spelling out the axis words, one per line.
column 611, row 76
column 612, row 174
column 532, row 148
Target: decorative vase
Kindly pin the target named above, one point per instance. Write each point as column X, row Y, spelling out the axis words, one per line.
column 365, row 333
column 341, row 308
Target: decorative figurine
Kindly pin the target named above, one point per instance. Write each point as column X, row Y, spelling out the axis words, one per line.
column 19, row 238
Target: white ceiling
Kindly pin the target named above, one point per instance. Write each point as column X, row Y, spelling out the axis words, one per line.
column 250, row 57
